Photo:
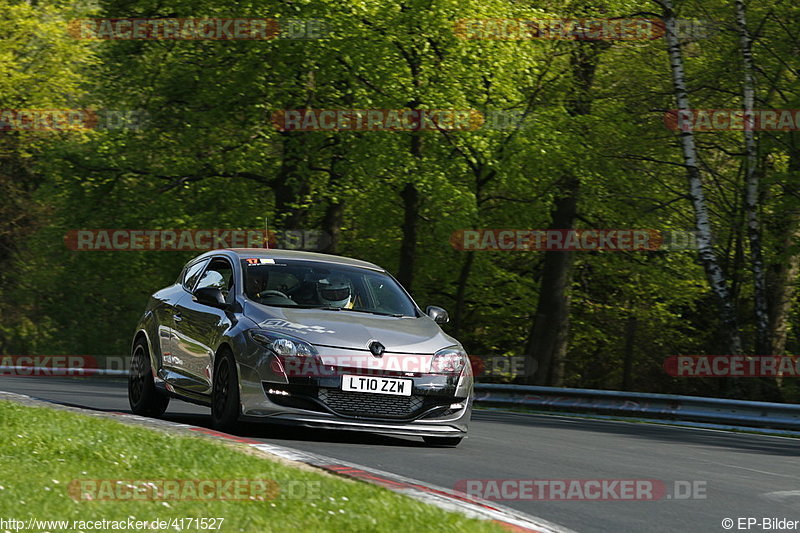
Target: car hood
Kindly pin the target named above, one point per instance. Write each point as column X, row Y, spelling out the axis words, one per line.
column 350, row 330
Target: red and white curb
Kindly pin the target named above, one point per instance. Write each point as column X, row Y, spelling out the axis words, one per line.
column 447, row 499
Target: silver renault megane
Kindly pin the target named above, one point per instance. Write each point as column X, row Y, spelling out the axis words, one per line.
column 301, row 338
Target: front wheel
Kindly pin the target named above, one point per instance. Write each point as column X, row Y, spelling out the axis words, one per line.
column 143, row 396
column 445, row 442
column 225, row 394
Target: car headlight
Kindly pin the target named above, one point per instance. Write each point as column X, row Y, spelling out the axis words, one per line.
column 282, row 344
column 450, row 360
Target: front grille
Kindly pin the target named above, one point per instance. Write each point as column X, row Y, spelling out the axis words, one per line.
column 370, row 405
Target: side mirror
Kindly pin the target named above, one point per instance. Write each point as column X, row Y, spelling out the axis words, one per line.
column 210, row 296
column 438, row 314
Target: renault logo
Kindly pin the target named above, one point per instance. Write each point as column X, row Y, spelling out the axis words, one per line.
column 376, row 348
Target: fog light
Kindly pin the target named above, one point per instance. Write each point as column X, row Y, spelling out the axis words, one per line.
column 456, row 406
column 278, row 392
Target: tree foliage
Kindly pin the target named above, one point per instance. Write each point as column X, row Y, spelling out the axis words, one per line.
column 209, row 156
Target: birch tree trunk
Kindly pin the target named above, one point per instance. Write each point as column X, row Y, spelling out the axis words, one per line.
column 714, row 273
column 762, row 344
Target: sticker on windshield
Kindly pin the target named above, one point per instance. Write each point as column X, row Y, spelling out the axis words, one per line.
column 252, row 261
column 293, row 326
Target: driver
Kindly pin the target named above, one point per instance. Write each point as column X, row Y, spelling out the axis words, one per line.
column 256, row 282
column 335, row 292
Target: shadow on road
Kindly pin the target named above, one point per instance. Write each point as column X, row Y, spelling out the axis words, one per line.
column 281, row 432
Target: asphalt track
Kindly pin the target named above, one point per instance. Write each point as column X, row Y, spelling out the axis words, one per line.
column 744, row 475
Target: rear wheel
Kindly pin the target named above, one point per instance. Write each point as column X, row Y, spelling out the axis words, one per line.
column 225, row 393
column 143, row 396
column 445, row 442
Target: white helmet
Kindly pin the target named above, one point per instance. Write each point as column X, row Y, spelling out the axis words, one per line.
column 334, row 292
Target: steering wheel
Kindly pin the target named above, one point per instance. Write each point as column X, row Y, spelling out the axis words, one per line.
column 262, row 294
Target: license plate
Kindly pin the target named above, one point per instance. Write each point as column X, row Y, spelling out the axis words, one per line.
column 398, row 387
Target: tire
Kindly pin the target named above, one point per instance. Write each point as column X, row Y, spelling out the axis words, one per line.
column 225, row 393
column 143, row 397
column 444, row 442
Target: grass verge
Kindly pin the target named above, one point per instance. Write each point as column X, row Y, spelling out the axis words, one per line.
column 44, row 450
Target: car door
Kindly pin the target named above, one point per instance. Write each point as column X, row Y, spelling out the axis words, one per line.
column 165, row 317
column 199, row 327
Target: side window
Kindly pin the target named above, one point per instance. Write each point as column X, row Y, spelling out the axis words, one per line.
column 192, row 274
column 219, row 275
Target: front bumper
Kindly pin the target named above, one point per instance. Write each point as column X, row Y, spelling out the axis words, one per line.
column 410, row 430
column 438, row 405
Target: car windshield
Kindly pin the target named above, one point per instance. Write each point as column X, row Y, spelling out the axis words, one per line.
column 319, row 285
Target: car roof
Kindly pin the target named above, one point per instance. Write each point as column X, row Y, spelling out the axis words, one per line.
column 277, row 253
